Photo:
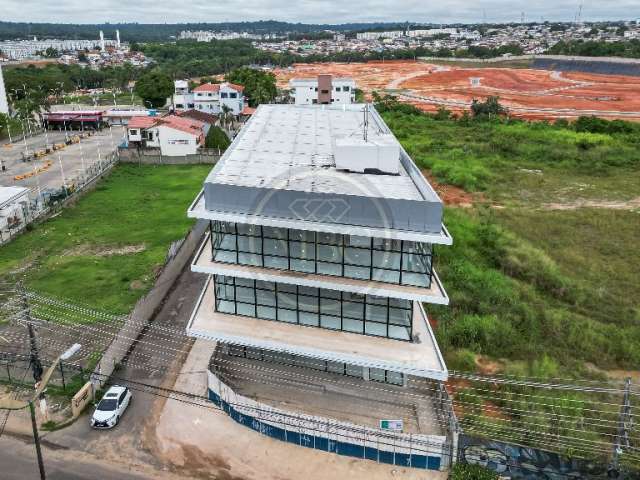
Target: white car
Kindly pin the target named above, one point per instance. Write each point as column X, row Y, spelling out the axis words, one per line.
column 112, row 406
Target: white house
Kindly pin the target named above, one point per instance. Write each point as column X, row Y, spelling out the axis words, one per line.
column 182, row 96
column 325, row 89
column 210, row 98
column 173, row 135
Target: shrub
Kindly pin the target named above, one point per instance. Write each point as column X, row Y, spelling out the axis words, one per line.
column 465, row 471
column 216, row 138
column 489, row 108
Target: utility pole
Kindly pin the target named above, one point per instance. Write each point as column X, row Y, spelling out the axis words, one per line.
column 36, row 439
column 622, row 437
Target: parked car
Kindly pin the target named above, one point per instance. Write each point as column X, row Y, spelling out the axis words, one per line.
column 111, row 408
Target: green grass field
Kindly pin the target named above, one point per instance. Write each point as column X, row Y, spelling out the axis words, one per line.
column 531, row 273
column 104, row 251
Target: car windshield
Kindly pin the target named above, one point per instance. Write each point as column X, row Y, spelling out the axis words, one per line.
column 107, row 404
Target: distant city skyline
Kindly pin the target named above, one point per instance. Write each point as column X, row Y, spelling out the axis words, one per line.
column 316, row 11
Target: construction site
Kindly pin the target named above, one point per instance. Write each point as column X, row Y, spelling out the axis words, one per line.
column 527, row 93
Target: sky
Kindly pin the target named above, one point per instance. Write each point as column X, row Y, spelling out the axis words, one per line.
column 313, row 11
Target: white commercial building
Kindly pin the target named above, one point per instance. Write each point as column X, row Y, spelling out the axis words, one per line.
column 209, row 97
column 4, row 105
column 325, row 89
column 318, row 266
column 15, row 210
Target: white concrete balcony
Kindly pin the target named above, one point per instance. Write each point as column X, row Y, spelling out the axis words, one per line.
column 420, row 356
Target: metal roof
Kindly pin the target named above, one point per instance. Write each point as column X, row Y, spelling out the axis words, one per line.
column 284, row 156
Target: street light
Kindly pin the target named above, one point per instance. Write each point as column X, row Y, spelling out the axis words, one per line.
column 14, row 404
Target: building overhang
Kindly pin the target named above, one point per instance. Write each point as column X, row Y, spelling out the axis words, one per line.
column 203, row 263
column 420, row 357
column 198, row 210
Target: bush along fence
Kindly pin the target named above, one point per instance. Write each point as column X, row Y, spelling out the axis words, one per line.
column 145, row 309
column 430, row 452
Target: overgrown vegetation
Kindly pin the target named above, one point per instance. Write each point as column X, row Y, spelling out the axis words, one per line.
column 465, row 471
column 591, row 48
column 105, row 250
column 259, row 86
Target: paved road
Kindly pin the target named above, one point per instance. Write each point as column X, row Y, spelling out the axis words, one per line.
column 74, row 158
column 18, row 460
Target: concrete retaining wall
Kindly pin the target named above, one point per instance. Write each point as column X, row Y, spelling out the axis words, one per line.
column 407, row 450
column 152, row 156
column 147, row 307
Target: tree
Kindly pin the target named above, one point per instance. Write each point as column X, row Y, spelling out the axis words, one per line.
column 490, row 107
column 154, row 88
column 51, row 53
column 259, row 86
column 216, row 138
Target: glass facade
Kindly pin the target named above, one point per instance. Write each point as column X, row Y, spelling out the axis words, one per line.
column 314, row 307
column 391, row 261
column 339, row 368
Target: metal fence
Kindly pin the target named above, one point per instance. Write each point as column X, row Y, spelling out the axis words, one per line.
column 16, row 370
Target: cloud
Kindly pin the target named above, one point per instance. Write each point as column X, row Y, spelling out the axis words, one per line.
column 312, row 11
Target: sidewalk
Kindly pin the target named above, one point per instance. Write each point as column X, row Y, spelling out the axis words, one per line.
column 204, row 441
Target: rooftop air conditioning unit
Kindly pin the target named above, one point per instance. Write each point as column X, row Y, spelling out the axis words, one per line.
column 354, row 154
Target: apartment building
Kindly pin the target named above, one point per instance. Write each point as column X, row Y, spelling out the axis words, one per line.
column 209, row 97
column 319, row 258
column 325, row 89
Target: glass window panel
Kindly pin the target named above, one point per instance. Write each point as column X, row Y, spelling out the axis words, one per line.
column 376, row 313
column 289, row 316
column 357, row 256
column 332, row 238
column 400, row 316
column 356, row 241
column 395, row 378
column 302, row 250
column 254, row 259
column 225, row 256
column 265, row 297
column 351, row 325
column 330, row 294
column 242, row 282
column 276, row 262
column 352, row 297
column 245, row 229
column 250, row 244
column 375, row 300
column 224, row 292
column 308, row 318
column 330, row 306
column 353, row 370
column 307, row 266
column 400, row 303
column 286, row 287
column 245, row 294
column 417, row 279
column 287, row 300
column 388, row 260
column 377, row 329
column 330, row 322
column 226, row 306
column 248, row 310
column 353, row 310
column 330, row 253
column 335, row 367
column 308, row 304
column 361, row 273
column 386, row 244
column 273, row 232
column 303, row 290
column 400, row 333
column 228, row 242
column 302, row 235
column 266, row 312
column 376, row 374
column 413, row 262
column 264, row 285
column 275, row 247
column 334, row 269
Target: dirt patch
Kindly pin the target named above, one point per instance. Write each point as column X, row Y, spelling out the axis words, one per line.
column 450, row 194
column 486, row 366
column 136, row 285
column 102, row 251
column 605, row 204
column 491, row 410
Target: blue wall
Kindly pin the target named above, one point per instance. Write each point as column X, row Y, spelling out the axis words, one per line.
column 326, row 445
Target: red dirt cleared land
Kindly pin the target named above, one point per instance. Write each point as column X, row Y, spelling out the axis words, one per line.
column 526, row 92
